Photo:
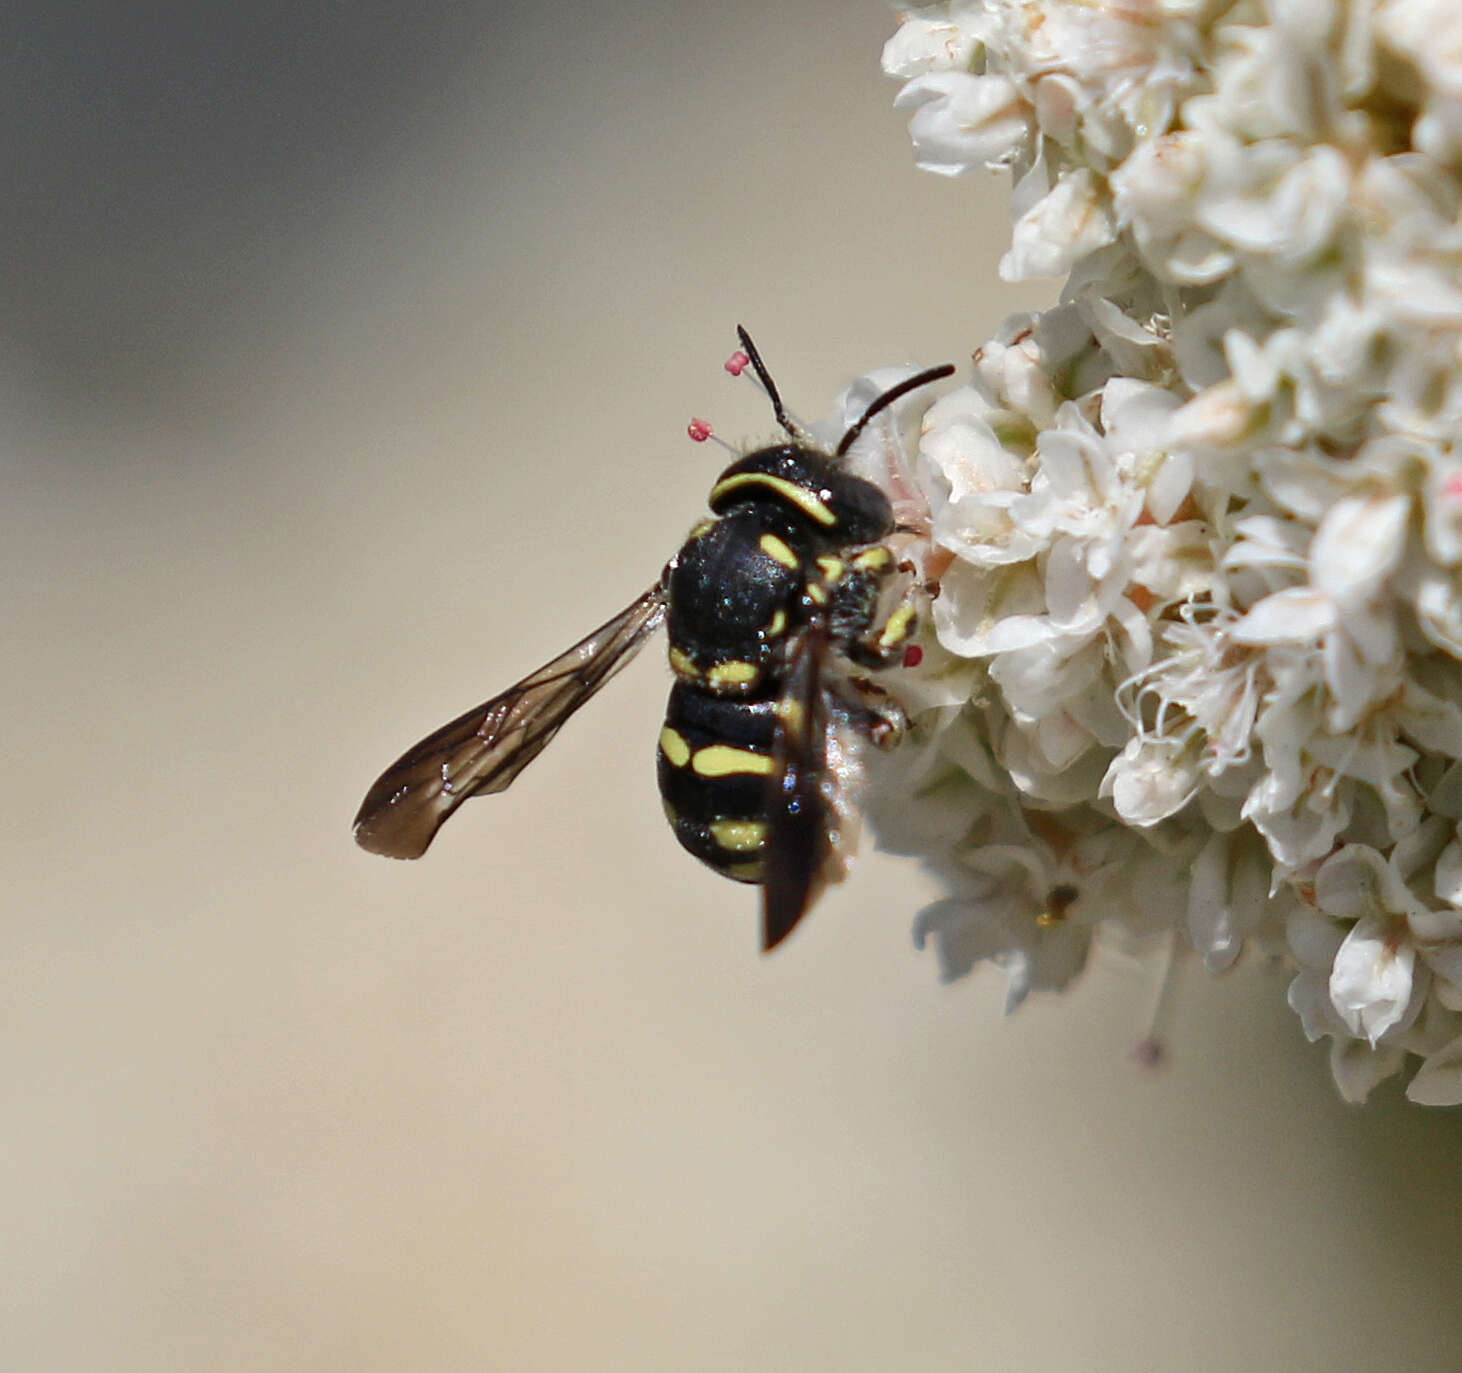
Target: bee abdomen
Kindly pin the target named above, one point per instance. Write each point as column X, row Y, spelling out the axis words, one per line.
column 715, row 765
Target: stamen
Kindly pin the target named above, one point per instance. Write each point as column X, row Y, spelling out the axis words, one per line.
column 1150, row 1051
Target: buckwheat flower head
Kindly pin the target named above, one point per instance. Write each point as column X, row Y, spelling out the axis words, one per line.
column 1195, row 660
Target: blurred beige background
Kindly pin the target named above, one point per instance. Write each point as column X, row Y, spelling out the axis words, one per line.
column 345, row 368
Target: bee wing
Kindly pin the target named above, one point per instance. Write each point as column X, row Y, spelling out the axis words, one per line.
column 485, row 749
column 804, row 848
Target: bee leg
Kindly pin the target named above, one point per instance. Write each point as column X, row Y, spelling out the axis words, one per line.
column 873, row 711
column 884, row 644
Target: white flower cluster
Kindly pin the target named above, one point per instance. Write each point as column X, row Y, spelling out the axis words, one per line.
column 1198, row 528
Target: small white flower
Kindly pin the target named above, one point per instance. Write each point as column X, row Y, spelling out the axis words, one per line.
column 1001, row 924
column 1278, row 203
column 1227, row 900
column 1371, row 981
column 1152, row 779
column 1066, row 223
column 973, row 480
column 931, row 41
column 961, row 122
column 1358, row 545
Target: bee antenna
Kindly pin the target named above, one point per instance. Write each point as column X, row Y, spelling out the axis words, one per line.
column 765, row 377
column 887, row 398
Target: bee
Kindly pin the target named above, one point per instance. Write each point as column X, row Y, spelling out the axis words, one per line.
column 771, row 605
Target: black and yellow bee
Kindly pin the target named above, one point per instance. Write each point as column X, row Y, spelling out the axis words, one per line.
column 771, row 606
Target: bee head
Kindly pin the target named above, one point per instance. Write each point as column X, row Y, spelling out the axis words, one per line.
column 810, row 486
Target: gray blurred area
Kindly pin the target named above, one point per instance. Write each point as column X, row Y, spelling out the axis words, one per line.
column 345, row 359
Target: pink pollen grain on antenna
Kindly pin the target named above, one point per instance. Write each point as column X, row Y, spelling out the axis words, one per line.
column 737, row 363
column 699, row 430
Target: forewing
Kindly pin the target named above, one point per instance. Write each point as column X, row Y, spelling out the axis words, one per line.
column 485, row 749
column 801, row 852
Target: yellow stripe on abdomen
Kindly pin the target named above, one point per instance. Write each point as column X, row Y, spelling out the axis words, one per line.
column 722, row 760
column 732, row 673
column 674, row 747
column 739, row 836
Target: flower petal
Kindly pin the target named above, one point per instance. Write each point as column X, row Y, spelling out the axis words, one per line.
column 1371, row 982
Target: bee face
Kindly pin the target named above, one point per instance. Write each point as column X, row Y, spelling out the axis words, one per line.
column 767, row 605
